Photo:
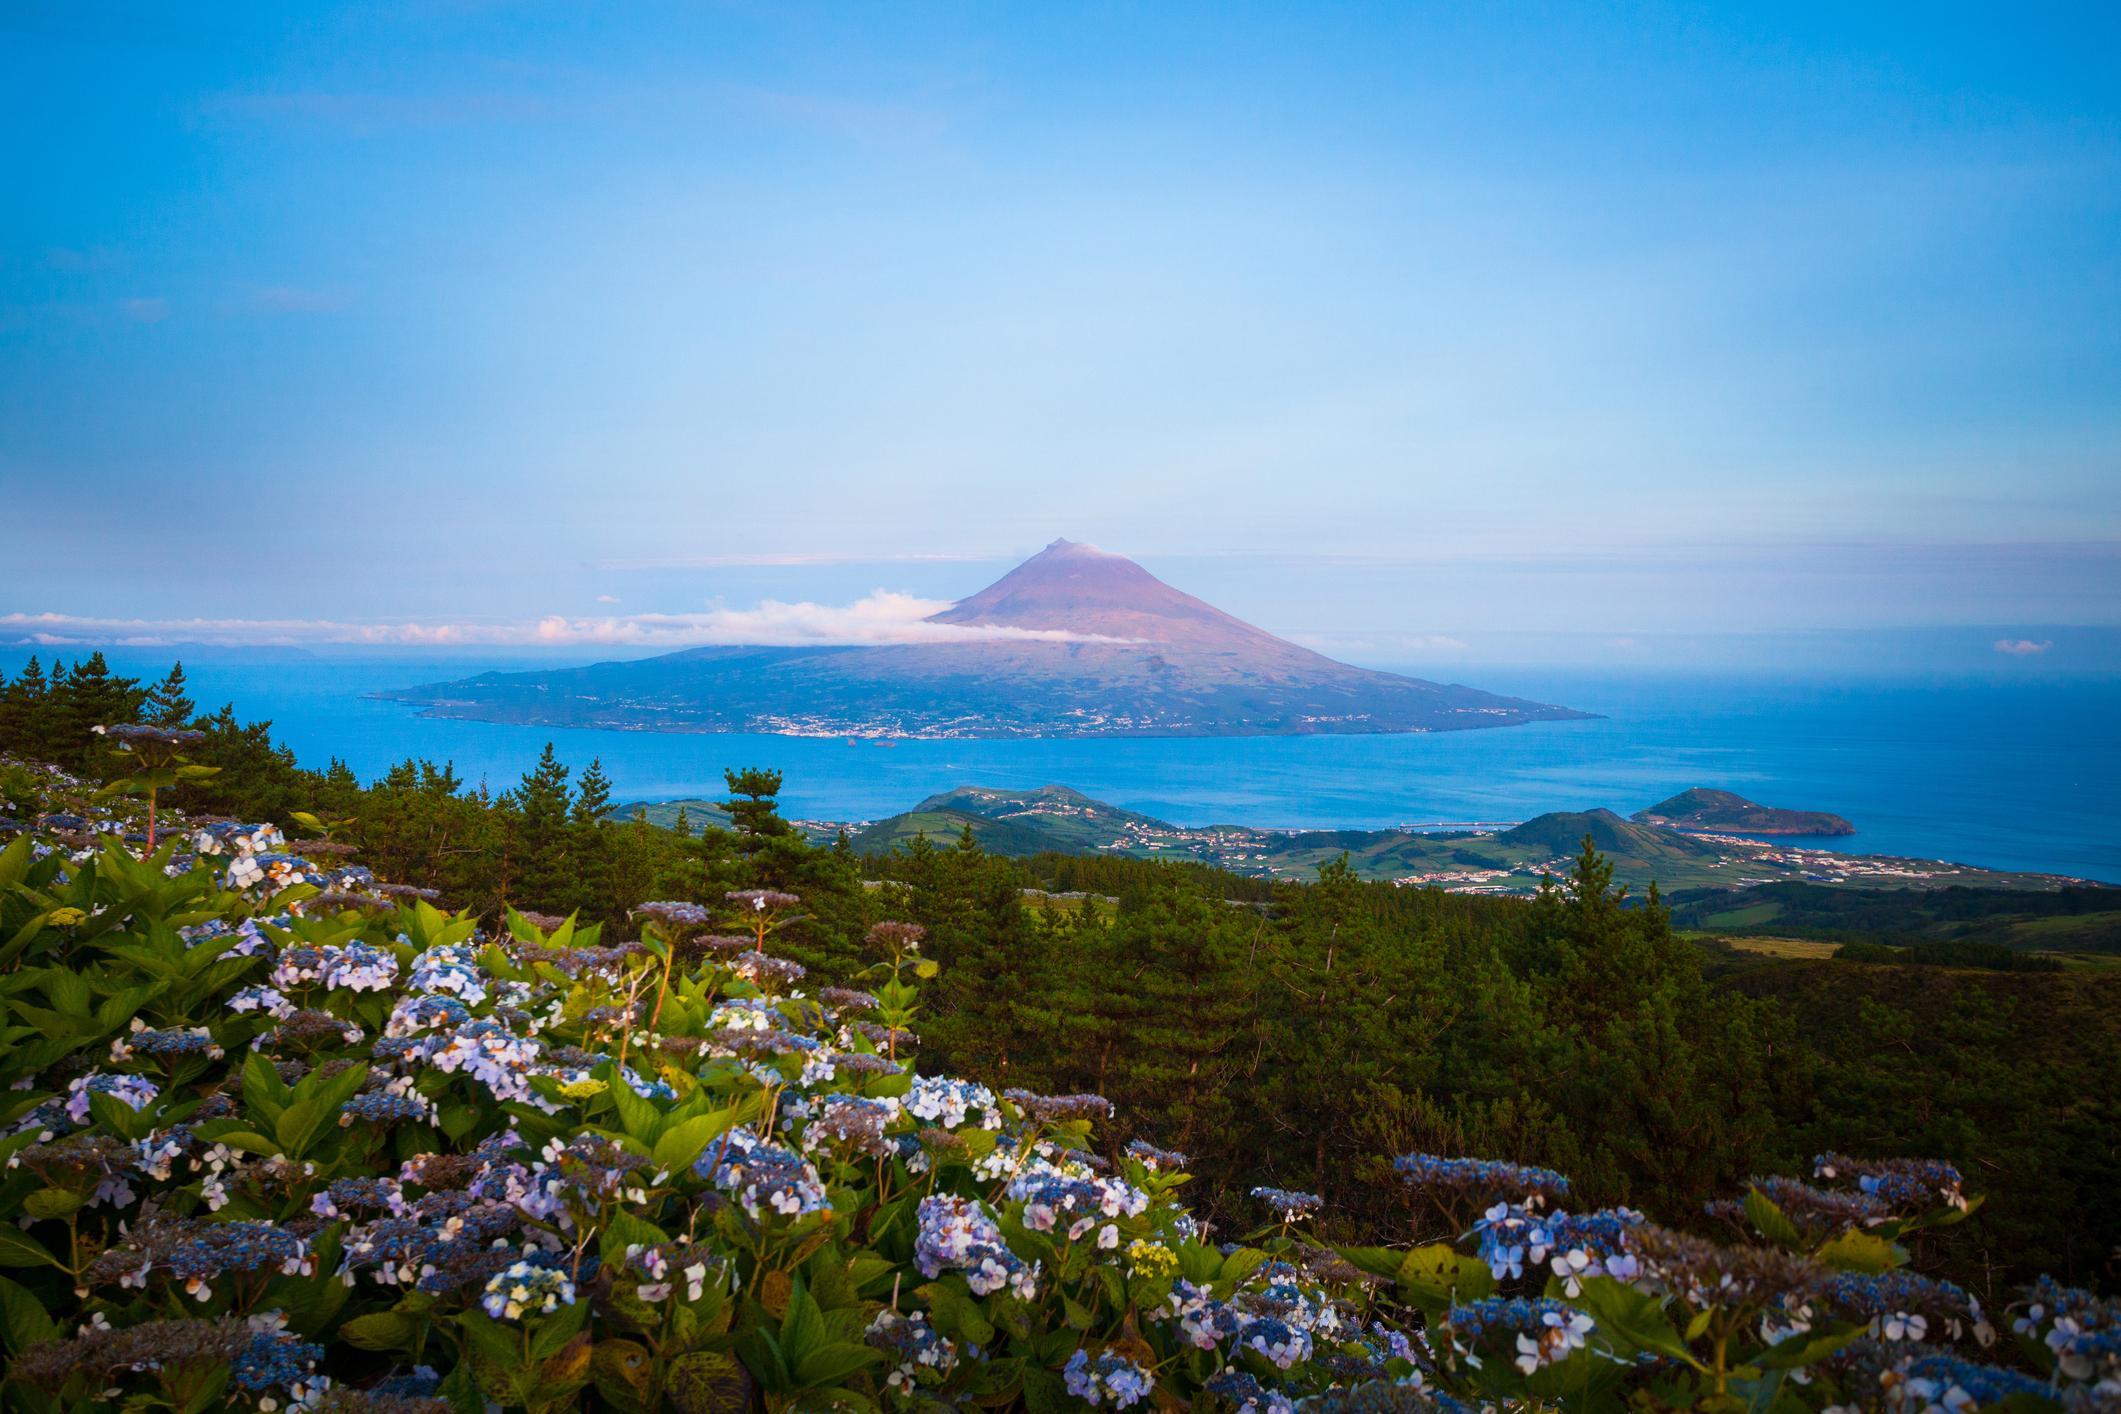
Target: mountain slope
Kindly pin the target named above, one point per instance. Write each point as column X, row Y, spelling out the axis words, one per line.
column 1073, row 642
column 1725, row 811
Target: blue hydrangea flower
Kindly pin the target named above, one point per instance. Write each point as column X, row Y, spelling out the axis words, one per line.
column 957, row 1234
column 760, row 1174
column 1109, row 1377
column 531, row 1286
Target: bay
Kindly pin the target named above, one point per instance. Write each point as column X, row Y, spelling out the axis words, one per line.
column 2007, row 775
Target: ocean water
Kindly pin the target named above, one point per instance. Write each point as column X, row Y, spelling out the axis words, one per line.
column 2007, row 775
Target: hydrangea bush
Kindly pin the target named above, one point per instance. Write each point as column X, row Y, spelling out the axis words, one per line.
column 278, row 1135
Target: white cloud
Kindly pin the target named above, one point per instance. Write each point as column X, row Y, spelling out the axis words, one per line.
column 2022, row 647
column 145, row 311
column 607, row 598
column 788, row 559
column 884, row 617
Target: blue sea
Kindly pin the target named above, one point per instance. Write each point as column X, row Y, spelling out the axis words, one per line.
column 2007, row 775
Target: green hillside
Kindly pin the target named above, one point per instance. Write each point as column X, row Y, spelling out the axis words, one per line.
column 2076, row 919
column 1056, row 820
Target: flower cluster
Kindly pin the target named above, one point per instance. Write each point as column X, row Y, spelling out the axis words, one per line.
column 1545, row 1330
column 1902, row 1305
column 760, row 1174
column 674, row 914
column 164, row 1042
column 1574, row 1246
column 947, row 1102
column 1908, row 1185
column 958, row 1234
column 1110, row 1377
column 1155, row 1159
column 2082, row 1333
column 1483, row 1179
column 527, row 1286
column 135, row 1090
column 916, row 1351
column 1289, row 1205
column 382, row 1109
column 450, row 968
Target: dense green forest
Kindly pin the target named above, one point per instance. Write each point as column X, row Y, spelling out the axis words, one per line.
column 1290, row 1034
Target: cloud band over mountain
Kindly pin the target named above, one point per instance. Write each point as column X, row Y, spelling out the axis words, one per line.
column 881, row 618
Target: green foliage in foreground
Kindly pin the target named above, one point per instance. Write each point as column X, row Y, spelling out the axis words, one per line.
column 280, row 1134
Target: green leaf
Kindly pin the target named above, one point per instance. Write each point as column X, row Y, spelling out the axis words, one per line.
column 1861, row 1252
column 1377, row 1261
column 17, row 1249
column 1807, row 1349
column 959, row 1314
column 68, row 991
column 1770, row 1222
column 1631, row 1322
column 803, row 1327
column 1241, row 1264
column 557, row 1329
column 1438, row 1274
column 296, row 1125
column 381, row 1330
column 118, row 1117
column 264, row 1093
column 461, row 1390
column 626, row 1230
column 491, row 1340
column 23, row 1319
column 48, row 1203
column 640, row 1119
column 1949, row 1217
column 686, row 1140
column 14, row 862
column 829, row 1364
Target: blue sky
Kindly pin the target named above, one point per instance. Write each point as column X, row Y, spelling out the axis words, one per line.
column 1389, row 327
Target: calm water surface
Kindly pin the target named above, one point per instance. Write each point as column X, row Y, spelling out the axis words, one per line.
column 2006, row 775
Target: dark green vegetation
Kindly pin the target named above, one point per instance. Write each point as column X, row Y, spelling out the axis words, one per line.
column 1073, row 642
column 1292, row 1034
column 1722, row 811
column 2079, row 918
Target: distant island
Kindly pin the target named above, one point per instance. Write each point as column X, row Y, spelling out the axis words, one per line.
column 1723, row 812
column 1055, row 819
column 1074, row 642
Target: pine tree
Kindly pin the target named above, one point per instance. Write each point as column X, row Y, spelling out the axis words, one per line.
column 593, row 845
column 22, row 710
column 167, row 706
column 94, row 696
column 753, row 812
column 592, row 799
column 541, row 807
column 683, row 824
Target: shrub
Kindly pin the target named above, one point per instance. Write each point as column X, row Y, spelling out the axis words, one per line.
column 279, row 1134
